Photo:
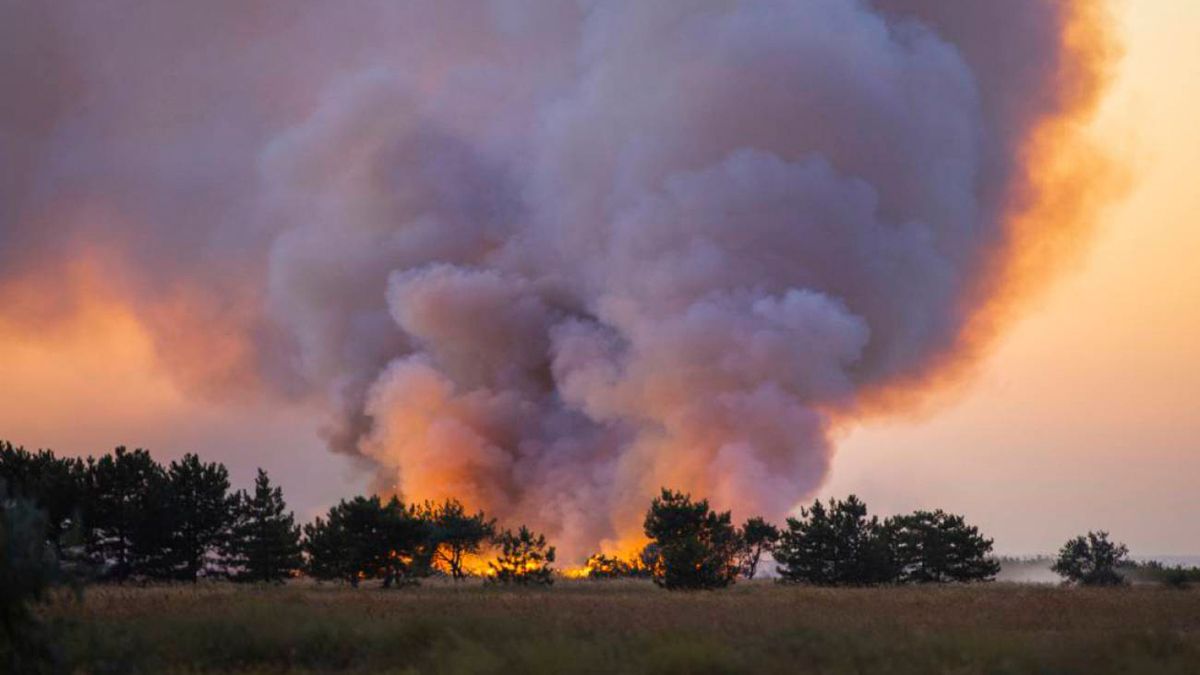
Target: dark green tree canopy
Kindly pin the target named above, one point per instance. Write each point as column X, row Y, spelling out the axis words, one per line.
column 349, row 544
column 199, row 505
column 938, row 547
column 696, row 547
column 129, row 522
column 364, row 538
column 55, row 485
column 139, row 519
column 1092, row 560
column 264, row 540
column 836, row 545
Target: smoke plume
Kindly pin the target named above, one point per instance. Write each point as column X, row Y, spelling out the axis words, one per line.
column 548, row 257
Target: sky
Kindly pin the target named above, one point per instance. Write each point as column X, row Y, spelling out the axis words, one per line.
column 1087, row 415
column 1081, row 417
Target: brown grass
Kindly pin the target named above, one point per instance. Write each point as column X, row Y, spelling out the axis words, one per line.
column 613, row 627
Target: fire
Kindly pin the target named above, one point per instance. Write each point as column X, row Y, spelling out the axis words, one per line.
column 601, row 566
column 582, row 572
column 473, row 565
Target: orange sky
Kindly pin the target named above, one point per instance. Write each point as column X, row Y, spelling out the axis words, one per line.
column 1084, row 417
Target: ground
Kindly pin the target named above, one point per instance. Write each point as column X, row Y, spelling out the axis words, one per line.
column 627, row 626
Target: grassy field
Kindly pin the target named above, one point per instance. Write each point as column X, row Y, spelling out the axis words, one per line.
column 619, row 627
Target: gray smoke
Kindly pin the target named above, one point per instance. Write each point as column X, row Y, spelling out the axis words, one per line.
column 546, row 257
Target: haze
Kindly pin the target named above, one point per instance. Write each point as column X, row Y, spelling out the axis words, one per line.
column 1083, row 416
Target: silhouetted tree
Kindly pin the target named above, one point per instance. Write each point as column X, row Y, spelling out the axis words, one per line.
column 834, row 546
column 129, row 520
column 756, row 537
column 938, row 547
column 264, row 540
column 696, row 547
column 457, row 534
column 366, row 539
column 28, row 566
column 408, row 538
column 55, row 485
column 200, row 512
column 1091, row 560
column 325, row 546
column 350, row 543
column 524, row 559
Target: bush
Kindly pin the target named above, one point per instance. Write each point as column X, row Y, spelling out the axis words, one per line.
column 1178, row 577
column 1092, row 560
column 28, row 566
column 600, row 566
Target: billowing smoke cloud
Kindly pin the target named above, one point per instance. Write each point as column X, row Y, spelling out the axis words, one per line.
column 551, row 257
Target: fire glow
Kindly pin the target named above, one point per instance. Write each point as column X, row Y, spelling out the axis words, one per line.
column 548, row 261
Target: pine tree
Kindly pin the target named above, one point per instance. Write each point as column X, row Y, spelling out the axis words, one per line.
column 755, row 538
column 696, row 547
column 363, row 539
column 938, row 547
column 457, row 534
column 127, row 513
column 199, row 506
column 327, row 550
column 264, row 541
column 524, row 559
column 55, row 485
column 410, row 546
column 834, row 546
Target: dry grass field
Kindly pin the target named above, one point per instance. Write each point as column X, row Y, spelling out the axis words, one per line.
column 627, row 627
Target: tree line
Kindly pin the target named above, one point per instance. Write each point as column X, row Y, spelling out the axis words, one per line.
column 829, row 544
column 124, row 516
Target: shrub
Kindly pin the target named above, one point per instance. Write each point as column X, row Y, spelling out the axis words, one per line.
column 1091, row 560
column 28, row 566
column 600, row 566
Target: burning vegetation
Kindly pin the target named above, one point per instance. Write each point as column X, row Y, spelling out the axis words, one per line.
column 547, row 261
column 124, row 516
